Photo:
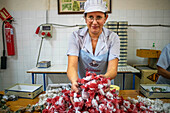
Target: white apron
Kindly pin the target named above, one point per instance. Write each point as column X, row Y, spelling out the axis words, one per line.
column 89, row 62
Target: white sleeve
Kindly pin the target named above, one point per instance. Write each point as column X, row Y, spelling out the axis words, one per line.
column 114, row 49
column 164, row 59
column 74, row 46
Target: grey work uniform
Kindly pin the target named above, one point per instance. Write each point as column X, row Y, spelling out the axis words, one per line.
column 164, row 62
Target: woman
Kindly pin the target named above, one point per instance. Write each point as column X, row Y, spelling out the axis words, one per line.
column 93, row 48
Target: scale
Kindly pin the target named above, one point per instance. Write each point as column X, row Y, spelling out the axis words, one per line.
column 44, row 31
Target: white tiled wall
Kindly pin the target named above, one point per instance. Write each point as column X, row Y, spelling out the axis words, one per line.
column 27, row 43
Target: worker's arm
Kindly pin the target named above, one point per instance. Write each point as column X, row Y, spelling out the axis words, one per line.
column 112, row 69
column 163, row 72
column 72, row 71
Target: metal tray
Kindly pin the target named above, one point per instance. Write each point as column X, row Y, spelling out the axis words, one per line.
column 145, row 89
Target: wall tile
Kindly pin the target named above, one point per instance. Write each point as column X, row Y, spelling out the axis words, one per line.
column 166, row 13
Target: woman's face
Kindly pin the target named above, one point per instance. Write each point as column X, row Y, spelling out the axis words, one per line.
column 95, row 22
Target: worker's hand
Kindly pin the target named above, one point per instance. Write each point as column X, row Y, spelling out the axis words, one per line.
column 74, row 87
column 71, row 99
column 103, row 76
column 108, row 88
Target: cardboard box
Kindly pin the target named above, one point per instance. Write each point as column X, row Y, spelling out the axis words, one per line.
column 148, row 53
column 137, row 83
column 145, row 90
column 29, row 91
column 146, row 74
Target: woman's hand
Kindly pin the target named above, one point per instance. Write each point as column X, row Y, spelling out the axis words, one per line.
column 71, row 99
column 74, row 87
column 108, row 88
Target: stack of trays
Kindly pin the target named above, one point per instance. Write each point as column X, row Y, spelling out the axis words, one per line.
column 122, row 32
column 121, row 29
column 112, row 26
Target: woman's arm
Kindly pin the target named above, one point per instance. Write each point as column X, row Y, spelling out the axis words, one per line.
column 72, row 71
column 112, row 69
column 163, row 72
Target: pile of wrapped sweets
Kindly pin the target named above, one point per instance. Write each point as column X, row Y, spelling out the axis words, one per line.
column 92, row 98
column 3, row 100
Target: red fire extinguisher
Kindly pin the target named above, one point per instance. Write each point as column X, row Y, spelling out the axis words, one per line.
column 9, row 33
column 7, row 30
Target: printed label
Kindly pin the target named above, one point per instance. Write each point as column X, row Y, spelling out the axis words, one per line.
column 12, row 31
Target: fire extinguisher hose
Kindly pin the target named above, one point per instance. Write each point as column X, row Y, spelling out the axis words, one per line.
column 3, row 58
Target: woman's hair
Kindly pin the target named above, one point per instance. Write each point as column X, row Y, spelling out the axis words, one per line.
column 85, row 14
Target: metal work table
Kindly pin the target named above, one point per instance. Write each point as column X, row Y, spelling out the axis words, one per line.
column 62, row 70
column 127, row 70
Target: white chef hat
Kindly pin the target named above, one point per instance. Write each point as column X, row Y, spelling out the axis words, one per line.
column 95, row 5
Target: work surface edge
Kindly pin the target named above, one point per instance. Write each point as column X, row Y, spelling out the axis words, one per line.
column 56, row 69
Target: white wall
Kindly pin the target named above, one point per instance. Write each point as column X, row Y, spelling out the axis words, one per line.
column 28, row 14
